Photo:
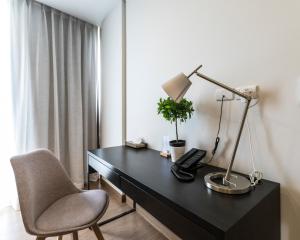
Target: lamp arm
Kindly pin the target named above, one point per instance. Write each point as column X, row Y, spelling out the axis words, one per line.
column 222, row 85
column 248, row 100
column 228, row 172
column 195, row 71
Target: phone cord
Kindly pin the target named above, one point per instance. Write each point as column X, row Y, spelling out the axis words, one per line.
column 219, row 128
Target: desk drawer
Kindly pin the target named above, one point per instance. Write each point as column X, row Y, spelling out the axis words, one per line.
column 105, row 171
column 180, row 225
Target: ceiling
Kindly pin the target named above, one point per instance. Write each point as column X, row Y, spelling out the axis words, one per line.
column 93, row 11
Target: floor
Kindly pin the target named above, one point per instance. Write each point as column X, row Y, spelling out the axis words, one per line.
column 132, row 226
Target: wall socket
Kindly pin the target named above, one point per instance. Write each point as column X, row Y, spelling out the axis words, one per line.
column 251, row 91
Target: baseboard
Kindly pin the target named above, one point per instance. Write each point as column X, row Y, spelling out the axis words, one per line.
column 146, row 215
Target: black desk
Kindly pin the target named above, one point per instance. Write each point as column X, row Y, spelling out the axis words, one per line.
column 190, row 210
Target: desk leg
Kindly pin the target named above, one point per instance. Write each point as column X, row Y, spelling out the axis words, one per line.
column 88, row 179
column 88, row 172
column 119, row 215
column 123, row 198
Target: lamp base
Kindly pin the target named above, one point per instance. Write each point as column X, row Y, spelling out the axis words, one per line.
column 237, row 185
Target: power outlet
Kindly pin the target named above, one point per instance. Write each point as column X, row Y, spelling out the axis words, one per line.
column 251, row 91
column 222, row 92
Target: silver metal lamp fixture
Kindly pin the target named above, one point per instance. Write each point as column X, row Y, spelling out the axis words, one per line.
column 225, row 182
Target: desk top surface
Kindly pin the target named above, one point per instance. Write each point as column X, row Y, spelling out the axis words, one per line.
column 151, row 172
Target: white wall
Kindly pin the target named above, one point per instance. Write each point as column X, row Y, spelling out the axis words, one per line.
column 239, row 43
column 112, row 78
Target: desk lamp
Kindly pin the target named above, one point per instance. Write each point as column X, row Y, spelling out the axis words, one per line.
column 225, row 182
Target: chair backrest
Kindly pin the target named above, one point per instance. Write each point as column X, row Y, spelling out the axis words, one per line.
column 41, row 181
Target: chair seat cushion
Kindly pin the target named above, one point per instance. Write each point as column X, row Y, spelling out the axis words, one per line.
column 73, row 211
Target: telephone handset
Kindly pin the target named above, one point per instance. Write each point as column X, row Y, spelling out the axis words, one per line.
column 185, row 168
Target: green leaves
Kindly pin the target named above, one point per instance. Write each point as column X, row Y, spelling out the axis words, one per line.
column 173, row 111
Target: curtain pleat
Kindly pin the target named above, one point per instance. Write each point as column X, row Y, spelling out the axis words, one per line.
column 55, row 66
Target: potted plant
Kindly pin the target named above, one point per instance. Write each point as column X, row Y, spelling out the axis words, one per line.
column 176, row 112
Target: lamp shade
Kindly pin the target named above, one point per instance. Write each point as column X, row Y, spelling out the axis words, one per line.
column 177, row 87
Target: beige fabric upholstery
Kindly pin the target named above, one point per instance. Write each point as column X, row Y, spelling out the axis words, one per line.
column 50, row 203
column 74, row 210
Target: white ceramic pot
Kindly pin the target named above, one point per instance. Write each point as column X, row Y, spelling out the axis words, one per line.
column 177, row 149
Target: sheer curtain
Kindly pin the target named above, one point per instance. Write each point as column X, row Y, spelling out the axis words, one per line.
column 55, row 77
column 6, row 127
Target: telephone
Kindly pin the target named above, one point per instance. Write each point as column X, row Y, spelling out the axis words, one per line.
column 185, row 168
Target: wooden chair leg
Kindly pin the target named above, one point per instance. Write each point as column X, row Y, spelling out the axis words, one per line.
column 40, row 238
column 75, row 235
column 97, row 232
column 60, row 237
